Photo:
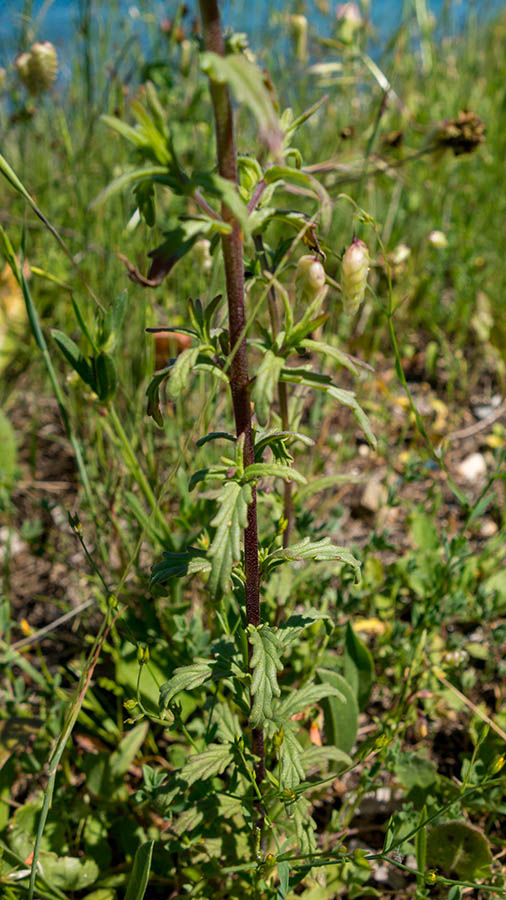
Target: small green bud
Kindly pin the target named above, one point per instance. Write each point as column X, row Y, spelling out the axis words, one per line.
column 298, row 26
column 354, row 271
column 130, row 704
column 309, row 278
column 497, row 764
column 37, row 69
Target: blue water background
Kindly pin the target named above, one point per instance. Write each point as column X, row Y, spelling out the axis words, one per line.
column 114, row 20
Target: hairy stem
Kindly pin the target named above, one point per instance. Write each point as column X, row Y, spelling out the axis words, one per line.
column 234, row 276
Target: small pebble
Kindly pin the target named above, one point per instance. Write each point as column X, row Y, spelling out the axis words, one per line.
column 473, row 467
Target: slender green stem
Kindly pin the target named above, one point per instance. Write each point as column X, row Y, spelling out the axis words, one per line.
column 232, row 244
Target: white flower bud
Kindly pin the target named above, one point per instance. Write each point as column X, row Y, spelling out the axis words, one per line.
column 309, row 278
column 37, row 69
column 354, row 270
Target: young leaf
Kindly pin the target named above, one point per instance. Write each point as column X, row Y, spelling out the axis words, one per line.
column 139, row 876
column 265, row 663
column 75, row 357
column 358, row 666
column 230, row 520
column 212, row 761
column 185, row 678
column 458, row 848
column 290, row 760
column 265, row 385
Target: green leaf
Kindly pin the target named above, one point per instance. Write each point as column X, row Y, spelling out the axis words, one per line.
column 421, row 841
column 273, row 470
column 128, row 747
column 181, row 371
column 344, row 359
column 305, row 826
column 340, row 714
column 265, row 385
column 283, row 869
column 176, row 565
column 323, row 550
column 318, row 756
column 309, row 695
column 227, row 192
column 8, row 452
column 212, row 761
column 265, row 664
column 460, row 849
column 358, row 666
column 139, row 876
column 144, row 176
column 105, row 375
column 288, row 631
column 290, row 760
column 68, row 873
column 186, row 678
column 75, row 357
column 230, row 520
column 246, row 82
column 216, row 435
column 287, row 173
column 326, row 481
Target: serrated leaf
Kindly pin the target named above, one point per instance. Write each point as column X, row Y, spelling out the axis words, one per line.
column 75, row 357
column 265, row 385
column 229, row 726
column 306, row 549
column 139, row 876
column 358, row 666
column 289, row 630
column 185, row 678
column 305, row 826
column 246, row 82
column 318, row 756
column 188, row 820
column 265, row 664
column 211, row 762
column 290, row 760
column 230, row 520
column 309, row 695
column 273, row 470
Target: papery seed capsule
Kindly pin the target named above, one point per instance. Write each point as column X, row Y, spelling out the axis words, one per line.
column 37, row 69
column 298, row 26
column 309, row 278
column 354, row 270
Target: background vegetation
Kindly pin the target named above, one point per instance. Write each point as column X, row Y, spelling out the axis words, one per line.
column 420, row 638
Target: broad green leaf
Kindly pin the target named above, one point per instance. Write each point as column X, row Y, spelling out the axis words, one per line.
column 273, row 470
column 175, row 565
column 188, row 820
column 265, row 664
column 318, row 756
column 265, row 385
column 246, row 82
column 288, row 631
column 185, row 678
column 229, row 726
column 415, row 770
column 68, row 873
column 358, row 666
column 127, row 749
column 459, row 849
column 309, row 695
column 75, row 357
column 230, row 521
column 283, row 869
column 290, row 760
column 139, row 876
column 212, row 761
column 323, row 550
column 340, row 714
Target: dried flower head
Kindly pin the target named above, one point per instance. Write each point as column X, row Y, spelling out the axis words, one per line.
column 38, row 67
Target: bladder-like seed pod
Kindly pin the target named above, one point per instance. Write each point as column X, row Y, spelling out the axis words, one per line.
column 354, row 270
column 37, row 69
column 309, row 278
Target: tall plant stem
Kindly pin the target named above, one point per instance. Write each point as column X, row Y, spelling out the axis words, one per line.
column 234, row 276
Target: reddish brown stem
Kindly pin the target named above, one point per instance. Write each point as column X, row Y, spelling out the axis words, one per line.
column 234, row 276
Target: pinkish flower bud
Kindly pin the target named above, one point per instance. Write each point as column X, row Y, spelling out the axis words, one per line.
column 37, row 69
column 309, row 278
column 354, row 270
